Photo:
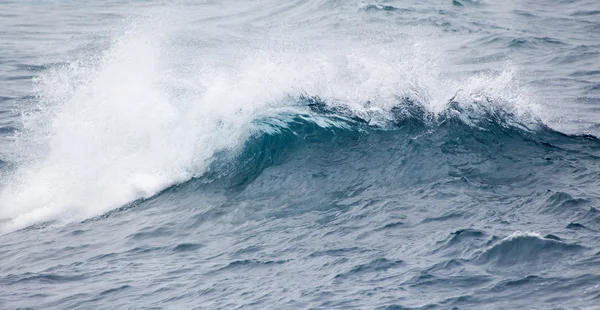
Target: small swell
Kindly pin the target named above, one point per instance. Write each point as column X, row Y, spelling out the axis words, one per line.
column 461, row 241
column 252, row 263
column 525, row 248
column 376, row 265
column 187, row 247
column 47, row 278
column 115, row 290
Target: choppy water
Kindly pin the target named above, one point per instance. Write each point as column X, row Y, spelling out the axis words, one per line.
column 302, row 154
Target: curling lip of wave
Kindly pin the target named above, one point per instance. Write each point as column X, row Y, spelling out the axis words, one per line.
column 276, row 135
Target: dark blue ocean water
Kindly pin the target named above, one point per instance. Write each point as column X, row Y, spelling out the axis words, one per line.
column 300, row 155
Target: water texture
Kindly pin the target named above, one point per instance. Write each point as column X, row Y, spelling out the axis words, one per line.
column 299, row 155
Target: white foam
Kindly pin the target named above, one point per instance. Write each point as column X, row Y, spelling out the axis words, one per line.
column 139, row 117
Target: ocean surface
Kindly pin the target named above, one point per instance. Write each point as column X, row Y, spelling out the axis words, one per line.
column 314, row 154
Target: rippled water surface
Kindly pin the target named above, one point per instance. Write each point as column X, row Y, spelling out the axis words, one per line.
column 300, row 154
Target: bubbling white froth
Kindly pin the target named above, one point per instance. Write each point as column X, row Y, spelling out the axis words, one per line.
column 148, row 113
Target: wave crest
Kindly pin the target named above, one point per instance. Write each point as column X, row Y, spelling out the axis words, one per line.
column 129, row 121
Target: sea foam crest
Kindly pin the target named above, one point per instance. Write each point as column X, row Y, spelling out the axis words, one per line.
column 141, row 116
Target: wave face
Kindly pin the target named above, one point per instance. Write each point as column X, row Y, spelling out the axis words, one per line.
column 311, row 154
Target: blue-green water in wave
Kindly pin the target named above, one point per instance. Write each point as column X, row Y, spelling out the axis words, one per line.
column 311, row 155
